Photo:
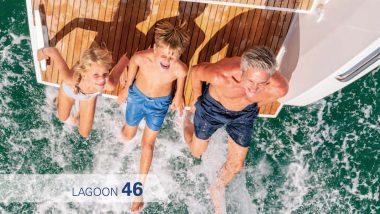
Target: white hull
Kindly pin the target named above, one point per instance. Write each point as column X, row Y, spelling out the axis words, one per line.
column 320, row 47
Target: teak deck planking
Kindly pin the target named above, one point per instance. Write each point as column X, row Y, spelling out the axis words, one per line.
column 126, row 26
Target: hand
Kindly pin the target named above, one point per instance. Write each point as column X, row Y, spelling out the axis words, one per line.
column 41, row 55
column 123, row 96
column 178, row 103
column 123, row 78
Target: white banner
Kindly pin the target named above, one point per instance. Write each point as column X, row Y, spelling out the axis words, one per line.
column 102, row 188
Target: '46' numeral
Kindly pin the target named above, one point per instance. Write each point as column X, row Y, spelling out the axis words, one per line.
column 136, row 190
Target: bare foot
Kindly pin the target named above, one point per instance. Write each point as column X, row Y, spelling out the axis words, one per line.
column 138, row 204
column 217, row 198
column 188, row 128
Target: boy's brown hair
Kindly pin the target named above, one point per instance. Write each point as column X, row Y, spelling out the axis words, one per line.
column 174, row 36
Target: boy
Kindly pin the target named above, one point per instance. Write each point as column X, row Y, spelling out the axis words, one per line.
column 148, row 88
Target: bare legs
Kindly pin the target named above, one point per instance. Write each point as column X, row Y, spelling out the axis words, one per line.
column 85, row 116
column 196, row 145
column 233, row 165
column 128, row 132
column 147, row 146
column 64, row 105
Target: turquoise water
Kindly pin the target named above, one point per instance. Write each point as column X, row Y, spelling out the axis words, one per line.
column 323, row 158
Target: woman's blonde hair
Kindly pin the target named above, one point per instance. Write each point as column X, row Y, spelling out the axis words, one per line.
column 174, row 36
column 89, row 56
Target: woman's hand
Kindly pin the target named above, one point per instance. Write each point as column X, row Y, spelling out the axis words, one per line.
column 41, row 54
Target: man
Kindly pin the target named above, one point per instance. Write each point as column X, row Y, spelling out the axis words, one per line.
column 235, row 88
column 148, row 87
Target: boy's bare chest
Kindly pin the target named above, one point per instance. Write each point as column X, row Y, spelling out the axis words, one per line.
column 158, row 75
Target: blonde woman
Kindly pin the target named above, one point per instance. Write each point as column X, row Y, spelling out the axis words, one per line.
column 83, row 83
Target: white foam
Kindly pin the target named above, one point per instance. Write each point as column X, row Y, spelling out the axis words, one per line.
column 295, row 186
column 6, row 45
column 111, row 155
column 259, row 173
column 187, row 181
column 367, row 111
column 17, row 39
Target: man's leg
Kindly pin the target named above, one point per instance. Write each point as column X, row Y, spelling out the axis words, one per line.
column 147, row 146
column 232, row 166
column 197, row 146
column 188, row 128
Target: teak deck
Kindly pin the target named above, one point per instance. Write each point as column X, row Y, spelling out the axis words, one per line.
column 125, row 26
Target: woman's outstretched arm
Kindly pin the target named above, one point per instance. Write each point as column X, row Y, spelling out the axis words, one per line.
column 56, row 57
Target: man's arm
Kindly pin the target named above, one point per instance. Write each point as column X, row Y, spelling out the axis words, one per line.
column 277, row 88
column 58, row 60
column 202, row 73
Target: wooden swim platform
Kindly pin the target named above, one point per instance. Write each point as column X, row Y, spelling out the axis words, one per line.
column 217, row 29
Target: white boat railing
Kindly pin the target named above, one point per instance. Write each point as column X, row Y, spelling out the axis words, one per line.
column 260, row 5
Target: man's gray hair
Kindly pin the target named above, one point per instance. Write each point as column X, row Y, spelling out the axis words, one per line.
column 258, row 58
